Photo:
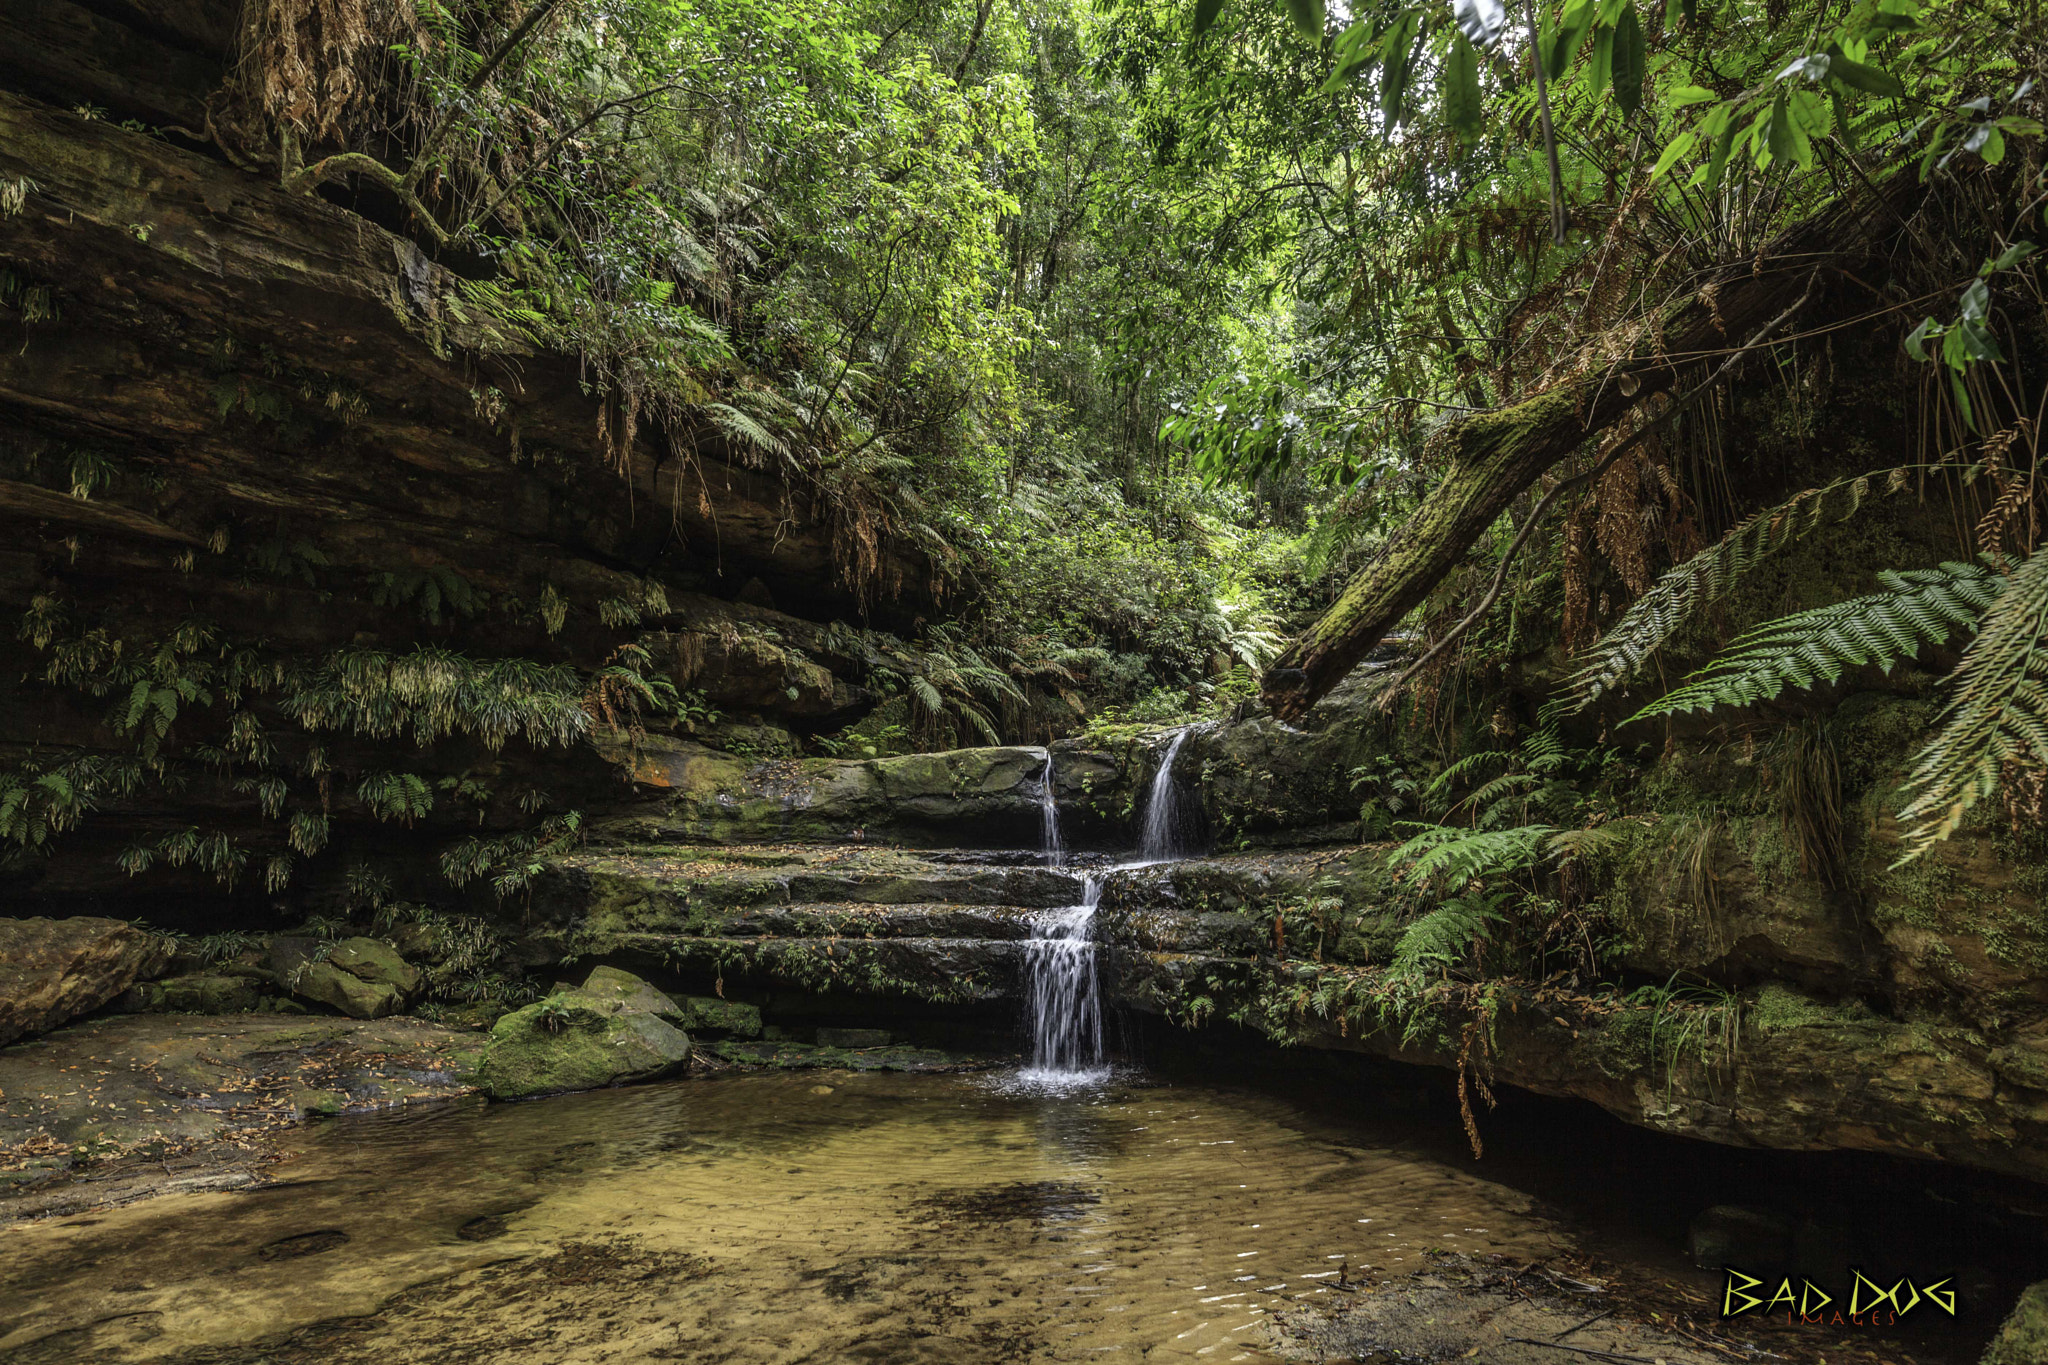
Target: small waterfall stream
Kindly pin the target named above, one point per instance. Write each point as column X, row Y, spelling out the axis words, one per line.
column 1159, row 838
column 1064, row 992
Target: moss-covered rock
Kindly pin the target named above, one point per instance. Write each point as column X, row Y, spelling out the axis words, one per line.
column 712, row 1015
column 582, row 1039
column 364, row 978
column 197, row 993
column 326, row 984
column 369, row 959
column 632, row 994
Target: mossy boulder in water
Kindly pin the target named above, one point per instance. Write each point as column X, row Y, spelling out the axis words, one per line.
column 584, row 1038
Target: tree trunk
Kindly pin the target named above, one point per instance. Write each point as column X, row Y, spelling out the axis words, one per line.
column 1491, row 458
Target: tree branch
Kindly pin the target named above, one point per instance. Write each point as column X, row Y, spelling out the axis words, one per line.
column 1636, row 438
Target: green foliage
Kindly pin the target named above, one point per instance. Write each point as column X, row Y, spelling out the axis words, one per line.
column 40, row 801
column 1445, row 857
column 1444, row 938
column 1683, row 594
column 401, row 797
column 436, row 592
column 1997, row 721
column 1391, row 793
column 1918, row 607
column 511, row 861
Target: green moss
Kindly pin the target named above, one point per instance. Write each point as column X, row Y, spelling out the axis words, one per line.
column 572, row 1041
column 1777, row 1008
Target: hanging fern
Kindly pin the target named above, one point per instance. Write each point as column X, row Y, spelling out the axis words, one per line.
column 1917, row 607
column 1441, row 939
column 1999, row 715
column 1684, row 592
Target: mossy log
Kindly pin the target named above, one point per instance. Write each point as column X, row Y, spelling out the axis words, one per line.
column 1491, row 458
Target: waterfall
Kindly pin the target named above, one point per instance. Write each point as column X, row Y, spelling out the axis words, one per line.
column 1049, row 845
column 1064, row 994
column 1059, row 963
column 1066, row 998
column 1159, row 838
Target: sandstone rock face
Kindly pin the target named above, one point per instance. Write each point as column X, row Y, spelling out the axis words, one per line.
column 985, row 796
column 583, row 1039
column 52, row 970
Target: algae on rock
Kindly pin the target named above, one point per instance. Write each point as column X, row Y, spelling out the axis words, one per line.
column 612, row 1031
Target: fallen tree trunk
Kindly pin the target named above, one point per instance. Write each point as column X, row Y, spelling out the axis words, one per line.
column 1489, row 459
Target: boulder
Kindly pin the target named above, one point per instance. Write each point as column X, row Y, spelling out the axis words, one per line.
column 362, row 977
column 609, row 983
column 52, row 970
column 370, row 959
column 2023, row 1339
column 326, row 984
column 584, row 1038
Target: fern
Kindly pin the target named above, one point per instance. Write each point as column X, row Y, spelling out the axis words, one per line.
column 1443, row 938
column 403, row 797
column 1450, row 857
column 1917, row 607
column 1999, row 715
column 1687, row 590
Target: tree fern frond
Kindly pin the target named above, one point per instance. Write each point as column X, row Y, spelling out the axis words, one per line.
column 1917, row 607
column 1686, row 590
column 1999, row 714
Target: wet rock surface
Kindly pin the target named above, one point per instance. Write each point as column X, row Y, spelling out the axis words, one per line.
column 140, row 1103
column 1504, row 1315
column 52, row 970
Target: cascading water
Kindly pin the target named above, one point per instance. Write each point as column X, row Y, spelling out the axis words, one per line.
column 1059, row 957
column 1066, row 999
column 1050, row 846
column 1059, row 964
column 1159, row 839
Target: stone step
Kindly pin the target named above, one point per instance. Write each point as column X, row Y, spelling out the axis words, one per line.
column 685, row 889
column 950, row 971
column 829, row 919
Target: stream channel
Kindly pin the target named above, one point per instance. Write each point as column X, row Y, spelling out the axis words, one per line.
column 1068, row 1209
